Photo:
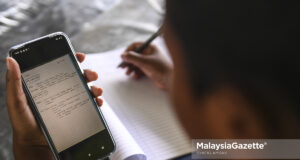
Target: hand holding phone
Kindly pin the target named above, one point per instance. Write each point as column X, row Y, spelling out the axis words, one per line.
column 28, row 138
column 29, row 141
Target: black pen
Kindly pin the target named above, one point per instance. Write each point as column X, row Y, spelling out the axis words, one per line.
column 144, row 45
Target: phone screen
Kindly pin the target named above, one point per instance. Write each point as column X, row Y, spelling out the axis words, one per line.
column 63, row 101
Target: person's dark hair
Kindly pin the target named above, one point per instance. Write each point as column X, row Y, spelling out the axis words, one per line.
column 251, row 44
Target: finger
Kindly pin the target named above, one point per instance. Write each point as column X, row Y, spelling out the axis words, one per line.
column 80, row 57
column 150, row 50
column 129, row 70
column 133, row 46
column 97, row 91
column 15, row 96
column 123, row 66
column 147, row 51
column 90, row 75
column 14, row 87
column 134, row 58
column 139, row 74
column 99, row 101
column 136, row 76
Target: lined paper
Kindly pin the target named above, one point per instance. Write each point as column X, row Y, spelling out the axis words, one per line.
column 143, row 109
column 125, row 144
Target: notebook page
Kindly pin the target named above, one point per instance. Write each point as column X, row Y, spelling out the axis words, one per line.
column 126, row 146
column 142, row 108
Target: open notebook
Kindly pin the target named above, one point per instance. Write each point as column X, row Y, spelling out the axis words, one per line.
column 138, row 113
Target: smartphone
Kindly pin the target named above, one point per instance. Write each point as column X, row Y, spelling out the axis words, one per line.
column 60, row 99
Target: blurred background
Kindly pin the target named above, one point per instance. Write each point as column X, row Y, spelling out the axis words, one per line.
column 92, row 25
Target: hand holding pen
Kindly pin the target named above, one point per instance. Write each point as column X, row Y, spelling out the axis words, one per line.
column 150, row 62
column 143, row 46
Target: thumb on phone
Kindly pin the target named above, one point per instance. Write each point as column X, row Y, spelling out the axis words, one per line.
column 15, row 97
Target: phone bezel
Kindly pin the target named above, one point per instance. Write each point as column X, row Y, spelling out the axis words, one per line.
column 34, row 108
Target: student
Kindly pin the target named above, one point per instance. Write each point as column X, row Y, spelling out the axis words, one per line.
column 235, row 72
column 236, row 67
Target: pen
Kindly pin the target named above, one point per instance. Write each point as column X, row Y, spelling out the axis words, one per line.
column 144, row 45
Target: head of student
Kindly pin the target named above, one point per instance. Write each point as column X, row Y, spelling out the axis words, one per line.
column 236, row 67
